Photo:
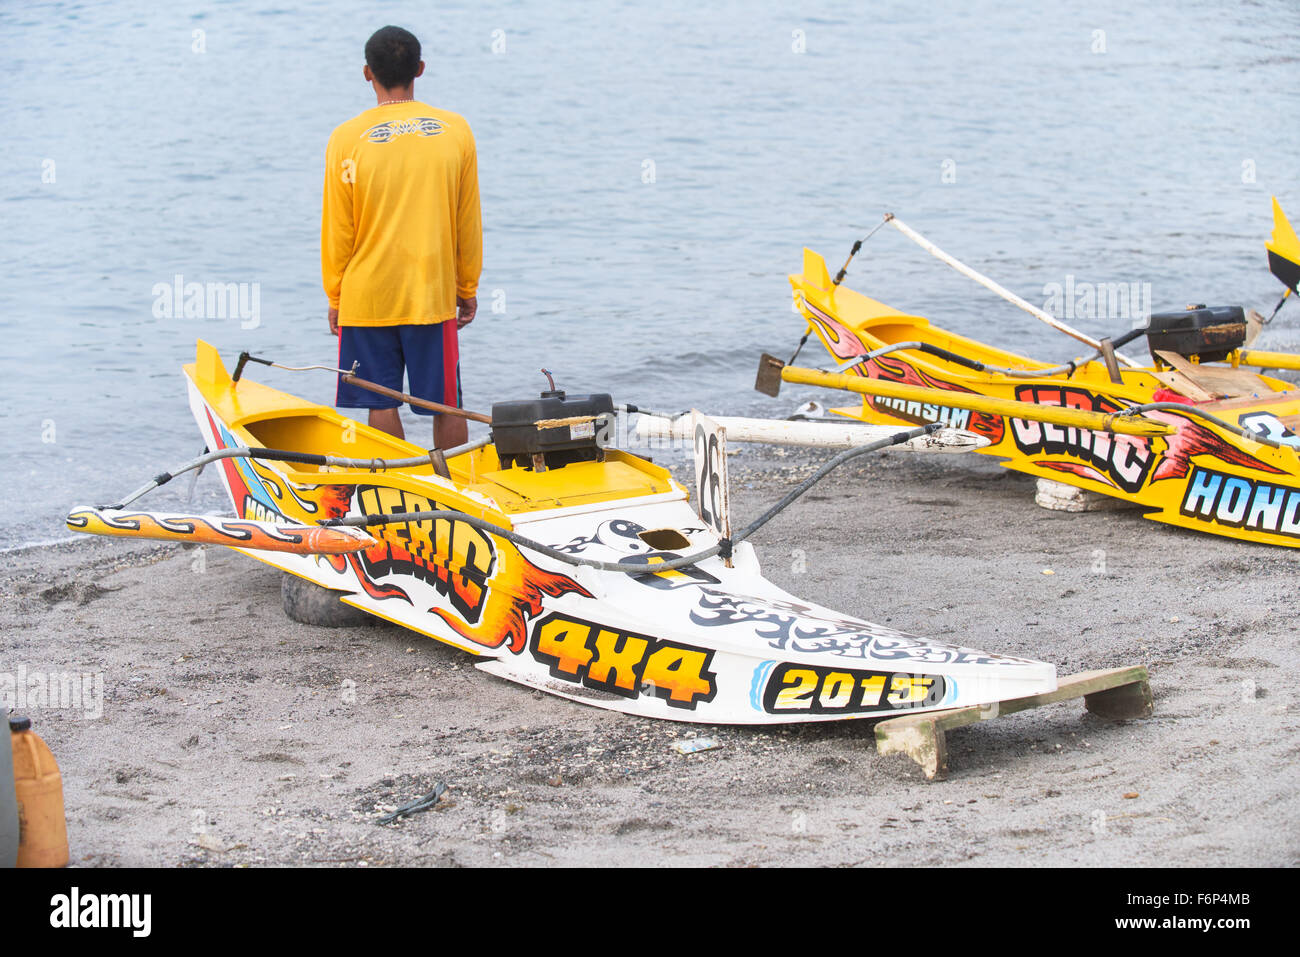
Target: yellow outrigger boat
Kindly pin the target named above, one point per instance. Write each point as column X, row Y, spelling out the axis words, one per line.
column 560, row 562
column 1230, row 465
column 570, row 566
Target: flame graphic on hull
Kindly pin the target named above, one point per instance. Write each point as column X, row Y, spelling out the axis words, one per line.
column 894, row 370
column 840, row 339
column 336, row 500
column 512, row 592
column 1077, row 469
column 1191, row 439
column 515, row 600
column 844, row 344
column 375, row 589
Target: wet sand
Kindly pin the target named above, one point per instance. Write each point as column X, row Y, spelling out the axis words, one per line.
column 230, row 735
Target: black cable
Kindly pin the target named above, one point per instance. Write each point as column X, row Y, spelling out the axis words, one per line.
column 1129, row 336
column 245, row 359
column 798, row 349
column 366, row 521
column 952, row 357
column 1186, row 409
column 285, row 455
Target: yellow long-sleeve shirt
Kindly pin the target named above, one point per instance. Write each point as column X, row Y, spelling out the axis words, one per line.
column 401, row 234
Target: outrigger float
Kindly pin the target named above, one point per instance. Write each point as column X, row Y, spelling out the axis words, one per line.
column 564, row 565
column 1227, row 463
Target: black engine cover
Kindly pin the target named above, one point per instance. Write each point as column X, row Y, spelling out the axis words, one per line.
column 517, row 438
column 1208, row 333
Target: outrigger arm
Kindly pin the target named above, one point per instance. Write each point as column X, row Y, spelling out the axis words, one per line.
column 1005, row 293
column 772, row 371
column 1129, row 421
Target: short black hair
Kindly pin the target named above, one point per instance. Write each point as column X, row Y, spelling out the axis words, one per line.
column 393, row 55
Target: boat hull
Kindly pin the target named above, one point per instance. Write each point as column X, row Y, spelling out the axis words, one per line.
column 1201, row 477
column 707, row 643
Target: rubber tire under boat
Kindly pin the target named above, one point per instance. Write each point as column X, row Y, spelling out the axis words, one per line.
column 312, row 604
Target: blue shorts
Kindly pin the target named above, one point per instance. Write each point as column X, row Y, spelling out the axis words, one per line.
column 429, row 354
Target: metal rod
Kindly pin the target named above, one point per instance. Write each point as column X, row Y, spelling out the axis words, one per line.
column 349, row 376
column 370, row 521
column 839, row 276
column 418, row 403
column 992, row 286
column 303, row 458
column 1066, row 368
column 470, row 446
column 1280, row 303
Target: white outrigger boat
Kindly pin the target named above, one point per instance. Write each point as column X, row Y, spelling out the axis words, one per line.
column 563, row 565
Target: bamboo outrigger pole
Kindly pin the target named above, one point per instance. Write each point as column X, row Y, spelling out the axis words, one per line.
column 992, row 286
column 1055, row 415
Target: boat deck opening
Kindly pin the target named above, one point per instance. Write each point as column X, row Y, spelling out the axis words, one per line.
column 314, row 433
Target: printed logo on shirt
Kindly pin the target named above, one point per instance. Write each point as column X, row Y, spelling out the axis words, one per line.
column 386, row 132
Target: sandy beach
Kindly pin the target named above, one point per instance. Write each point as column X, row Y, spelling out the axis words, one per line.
column 231, row 735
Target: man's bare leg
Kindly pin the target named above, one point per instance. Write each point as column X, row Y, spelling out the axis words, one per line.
column 388, row 420
column 449, row 431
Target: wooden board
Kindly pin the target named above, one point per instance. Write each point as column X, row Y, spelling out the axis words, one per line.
column 1254, row 326
column 1222, row 382
column 1251, row 401
column 1115, row 694
column 1183, row 386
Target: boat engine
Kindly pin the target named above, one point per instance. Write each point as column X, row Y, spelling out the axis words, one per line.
column 1206, row 334
column 551, row 431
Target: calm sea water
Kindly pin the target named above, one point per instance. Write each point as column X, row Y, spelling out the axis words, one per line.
column 649, row 172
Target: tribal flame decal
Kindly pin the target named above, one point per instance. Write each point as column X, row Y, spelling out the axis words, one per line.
column 842, row 341
column 515, row 599
column 371, row 587
column 493, row 591
column 895, row 370
column 336, row 500
column 1077, row 469
column 1193, row 438
column 844, row 344
column 211, row 530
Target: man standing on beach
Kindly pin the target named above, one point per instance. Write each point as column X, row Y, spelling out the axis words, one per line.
column 401, row 242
